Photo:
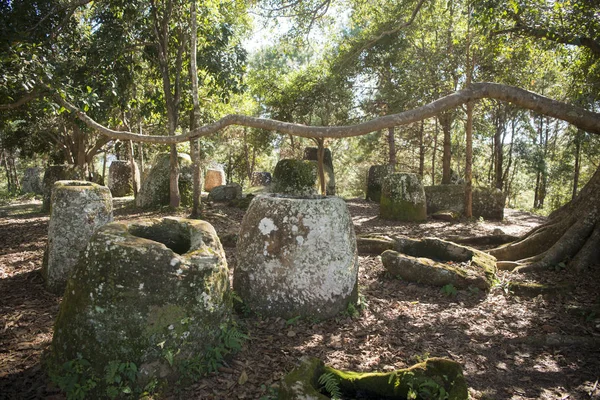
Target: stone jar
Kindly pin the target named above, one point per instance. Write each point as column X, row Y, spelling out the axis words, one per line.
column 78, row 209
column 154, row 191
column 295, row 178
column 120, row 178
column 213, row 178
column 375, row 180
column 57, row 173
column 403, row 198
column 154, row 292
column 296, row 256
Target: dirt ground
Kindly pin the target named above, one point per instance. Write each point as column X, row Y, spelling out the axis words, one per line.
column 511, row 347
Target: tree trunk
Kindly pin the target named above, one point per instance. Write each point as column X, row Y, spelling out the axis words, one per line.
column 174, row 195
column 499, row 135
column 446, row 122
column 320, row 157
column 392, row 147
column 469, row 162
column 435, row 139
column 134, row 179
column 571, row 233
column 422, row 150
column 578, row 136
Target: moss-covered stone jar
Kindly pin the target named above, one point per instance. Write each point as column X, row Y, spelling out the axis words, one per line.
column 375, row 180
column 121, row 179
column 402, row 198
column 78, row 209
column 152, row 292
column 295, row 177
column 154, row 191
column 435, row 378
column 57, row 173
column 296, row 256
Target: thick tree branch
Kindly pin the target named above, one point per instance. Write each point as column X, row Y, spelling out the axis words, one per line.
column 23, row 100
column 581, row 118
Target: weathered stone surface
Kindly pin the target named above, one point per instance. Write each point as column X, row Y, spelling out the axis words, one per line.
column 231, row 191
column 261, row 179
column 213, row 178
column 403, row 198
column 375, row 181
column 57, row 173
column 312, row 154
column 32, row 181
column 487, row 203
column 296, row 256
column 295, row 177
column 154, row 292
column 446, row 215
column 437, row 262
column 78, row 209
column 431, row 379
column 154, row 191
column 120, row 178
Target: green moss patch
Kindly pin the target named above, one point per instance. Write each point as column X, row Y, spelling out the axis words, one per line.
column 436, row 378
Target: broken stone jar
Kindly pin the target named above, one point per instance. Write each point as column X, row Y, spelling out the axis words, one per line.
column 296, row 257
column 78, row 208
column 154, row 292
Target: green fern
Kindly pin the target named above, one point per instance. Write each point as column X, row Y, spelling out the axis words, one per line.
column 331, row 384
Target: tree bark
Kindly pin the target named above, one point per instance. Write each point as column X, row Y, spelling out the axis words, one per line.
column 435, row 140
column 392, row 147
column 571, row 233
column 446, row 123
column 422, row 150
column 578, row 136
column 469, row 163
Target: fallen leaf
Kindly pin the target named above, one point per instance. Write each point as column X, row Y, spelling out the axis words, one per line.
column 243, row 378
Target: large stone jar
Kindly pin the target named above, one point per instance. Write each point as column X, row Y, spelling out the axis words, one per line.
column 120, row 178
column 78, row 209
column 213, row 178
column 375, row 180
column 402, row 198
column 296, row 256
column 154, row 191
column 32, row 181
column 295, row 177
column 57, row 173
column 152, row 292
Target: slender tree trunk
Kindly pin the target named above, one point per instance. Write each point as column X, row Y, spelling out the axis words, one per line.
column 194, row 147
column 499, row 135
column 320, row 157
column 422, row 149
column 141, row 155
column 435, row 140
column 8, row 173
column 104, row 180
column 392, row 147
column 446, row 122
column 134, row 178
column 469, row 162
column 578, row 136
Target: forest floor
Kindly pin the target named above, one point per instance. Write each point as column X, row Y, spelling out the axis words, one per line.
column 511, row 347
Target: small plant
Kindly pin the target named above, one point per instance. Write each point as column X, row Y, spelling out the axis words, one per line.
column 292, row 321
column 271, row 393
column 331, row 385
column 449, row 290
column 559, row 267
column 76, row 379
column 473, row 290
column 421, row 358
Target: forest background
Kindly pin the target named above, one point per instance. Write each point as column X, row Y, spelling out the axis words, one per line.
column 130, row 66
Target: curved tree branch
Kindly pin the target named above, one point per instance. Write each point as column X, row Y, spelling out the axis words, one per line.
column 26, row 98
column 581, row 118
